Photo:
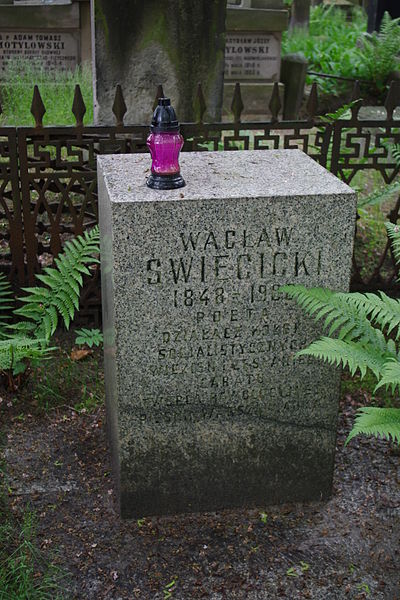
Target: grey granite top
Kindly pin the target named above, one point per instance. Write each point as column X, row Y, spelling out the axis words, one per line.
column 219, row 175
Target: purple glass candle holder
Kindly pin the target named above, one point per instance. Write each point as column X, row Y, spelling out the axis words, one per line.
column 165, row 142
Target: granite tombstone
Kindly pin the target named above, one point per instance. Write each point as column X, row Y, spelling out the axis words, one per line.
column 55, row 34
column 253, row 52
column 206, row 407
column 143, row 44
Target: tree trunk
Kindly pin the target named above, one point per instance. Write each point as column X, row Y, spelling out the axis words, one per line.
column 372, row 8
column 300, row 14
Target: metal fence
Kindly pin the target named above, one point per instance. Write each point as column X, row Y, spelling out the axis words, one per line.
column 48, row 188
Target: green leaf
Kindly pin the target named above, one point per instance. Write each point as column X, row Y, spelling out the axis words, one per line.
column 348, row 354
column 390, row 375
column 90, row 337
column 379, row 422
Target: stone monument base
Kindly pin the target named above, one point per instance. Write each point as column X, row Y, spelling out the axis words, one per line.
column 206, row 407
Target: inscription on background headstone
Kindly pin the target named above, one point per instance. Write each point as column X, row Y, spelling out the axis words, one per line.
column 252, row 56
column 56, row 50
column 205, row 406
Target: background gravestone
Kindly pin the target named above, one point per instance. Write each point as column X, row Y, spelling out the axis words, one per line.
column 139, row 44
column 57, row 35
column 253, row 52
column 206, row 408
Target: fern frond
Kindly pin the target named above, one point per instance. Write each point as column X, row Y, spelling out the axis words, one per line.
column 379, row 56
column 22, row 327
column 344, row 112
column 347, row 354
column 30, row 311
column 19, row 349
column 59, row 294
column 395, row 150
column 379, row 308
column 339, row 310
column 379, row 422
column 390, row 375
column 380, row 195
column 394, row 236
column 6, row 301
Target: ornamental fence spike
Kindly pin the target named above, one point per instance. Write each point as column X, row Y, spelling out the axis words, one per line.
column 78, row 106
column 275, row 104
column 119, row 107
column 237, row 105
column 38, row 109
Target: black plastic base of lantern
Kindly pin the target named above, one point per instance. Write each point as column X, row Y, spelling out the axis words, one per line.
column 165, row 182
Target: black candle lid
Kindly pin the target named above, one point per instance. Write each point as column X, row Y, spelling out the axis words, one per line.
column 164, row 117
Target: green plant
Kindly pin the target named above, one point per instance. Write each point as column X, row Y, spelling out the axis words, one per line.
column 169, row 588
column 89, row 337
column 89, row 403
column 28, row 339
column 379, row 56
column 330, row 46
column 63, row 381
column 6, row 302
column 342, row 113
column 298, row 570
column 56, row 89
column 24, row 574
column 364, row 587
column 363, row 334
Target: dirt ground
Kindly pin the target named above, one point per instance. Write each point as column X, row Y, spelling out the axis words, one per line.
column 348, row 547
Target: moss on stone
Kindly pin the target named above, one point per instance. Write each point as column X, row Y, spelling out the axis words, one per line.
column 191, row 32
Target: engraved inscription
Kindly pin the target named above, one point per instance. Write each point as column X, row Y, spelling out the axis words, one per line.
column 252, row 56
column 54, row 49
column 222, row 287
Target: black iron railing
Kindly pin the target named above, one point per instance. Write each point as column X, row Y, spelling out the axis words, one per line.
column 48, row 188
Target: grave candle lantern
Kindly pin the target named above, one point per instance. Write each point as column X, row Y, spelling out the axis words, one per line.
column 165, row 142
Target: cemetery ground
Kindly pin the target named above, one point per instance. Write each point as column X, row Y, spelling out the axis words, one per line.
column 58, row 489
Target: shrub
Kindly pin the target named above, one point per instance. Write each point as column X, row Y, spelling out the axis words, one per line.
column 363, row 334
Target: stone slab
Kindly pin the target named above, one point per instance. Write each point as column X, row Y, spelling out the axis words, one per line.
column 33, row 17
column 251, row 56
column 252, row 19
column 206, row 408
column 55, row 49
column 257, row 3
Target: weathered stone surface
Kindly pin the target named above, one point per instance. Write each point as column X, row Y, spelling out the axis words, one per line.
column 57, row 35
column 240, row 19
column 142, row 44
column 253, row 53
column 252, row 56
column 293, row 75
column 56, row 50
column 257, row 3
column 206, row 407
